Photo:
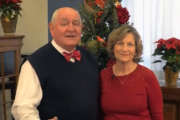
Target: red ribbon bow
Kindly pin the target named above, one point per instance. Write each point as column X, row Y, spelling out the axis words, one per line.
column 75, row 54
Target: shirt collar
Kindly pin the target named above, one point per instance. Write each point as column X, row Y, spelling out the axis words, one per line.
column 59, row 48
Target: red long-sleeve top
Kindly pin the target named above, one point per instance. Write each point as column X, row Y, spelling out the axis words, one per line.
column 136, row 96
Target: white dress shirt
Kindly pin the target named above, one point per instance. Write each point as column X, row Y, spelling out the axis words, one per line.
column 29, row 92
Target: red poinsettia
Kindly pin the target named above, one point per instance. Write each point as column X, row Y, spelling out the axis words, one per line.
column 123, row 14
column 169, row 50
column 98, row 18
column 10, row 8
column 16, row 1
column 100, row 3
column 11, row 1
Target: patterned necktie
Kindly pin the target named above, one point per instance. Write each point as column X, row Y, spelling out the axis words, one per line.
column 75, row 54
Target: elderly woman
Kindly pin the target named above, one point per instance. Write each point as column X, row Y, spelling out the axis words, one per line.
column 130, row 91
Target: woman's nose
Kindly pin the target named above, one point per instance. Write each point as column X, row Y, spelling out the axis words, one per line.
column 124, row 47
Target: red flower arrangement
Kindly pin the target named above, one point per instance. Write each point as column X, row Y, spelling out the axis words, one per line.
column 169, row 50
column 122, row 13
column 10, row 9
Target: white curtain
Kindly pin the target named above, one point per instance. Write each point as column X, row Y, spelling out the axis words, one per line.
column 154, row 19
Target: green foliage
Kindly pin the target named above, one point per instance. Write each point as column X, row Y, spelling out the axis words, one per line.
column 99, row 19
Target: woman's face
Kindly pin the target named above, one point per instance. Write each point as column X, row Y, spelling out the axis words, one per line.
column 125, row 50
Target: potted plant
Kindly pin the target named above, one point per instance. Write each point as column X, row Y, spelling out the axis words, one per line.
column 169, row 51
column 9, row 12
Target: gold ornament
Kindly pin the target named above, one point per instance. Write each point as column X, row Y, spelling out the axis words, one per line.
column 117, row 3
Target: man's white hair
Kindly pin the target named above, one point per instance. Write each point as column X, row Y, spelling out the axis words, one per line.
column 53, row 18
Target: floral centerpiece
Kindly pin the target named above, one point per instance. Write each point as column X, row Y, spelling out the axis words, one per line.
column 169, row 50
column 9, row 12
column 100, row 17
column 10, row 9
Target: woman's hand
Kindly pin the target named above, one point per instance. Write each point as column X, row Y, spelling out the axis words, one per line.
column 54, row 118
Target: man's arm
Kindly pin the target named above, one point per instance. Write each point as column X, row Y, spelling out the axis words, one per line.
column 28, row 94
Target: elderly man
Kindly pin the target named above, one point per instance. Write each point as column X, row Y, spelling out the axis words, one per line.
column 59, row 80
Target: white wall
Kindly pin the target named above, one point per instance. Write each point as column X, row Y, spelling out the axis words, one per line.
column 33, row 24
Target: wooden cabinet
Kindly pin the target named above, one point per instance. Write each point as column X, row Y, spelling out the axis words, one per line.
column 171, row 98
column 7, row 44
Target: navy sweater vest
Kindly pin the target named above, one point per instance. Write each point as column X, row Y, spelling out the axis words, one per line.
column 70, row 90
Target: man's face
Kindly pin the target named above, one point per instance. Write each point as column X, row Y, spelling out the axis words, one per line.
column 66, row 28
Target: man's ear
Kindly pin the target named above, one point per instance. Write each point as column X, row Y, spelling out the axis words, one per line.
column 82, row 26
column 51, row 29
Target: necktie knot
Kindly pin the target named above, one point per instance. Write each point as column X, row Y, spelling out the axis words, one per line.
column 75, row 54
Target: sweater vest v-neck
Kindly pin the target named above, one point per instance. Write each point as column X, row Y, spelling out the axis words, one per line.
column 70, row 90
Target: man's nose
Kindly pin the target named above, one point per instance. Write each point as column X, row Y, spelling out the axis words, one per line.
column 71, row 27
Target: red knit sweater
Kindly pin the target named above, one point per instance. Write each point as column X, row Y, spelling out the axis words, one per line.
column 136, row 96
